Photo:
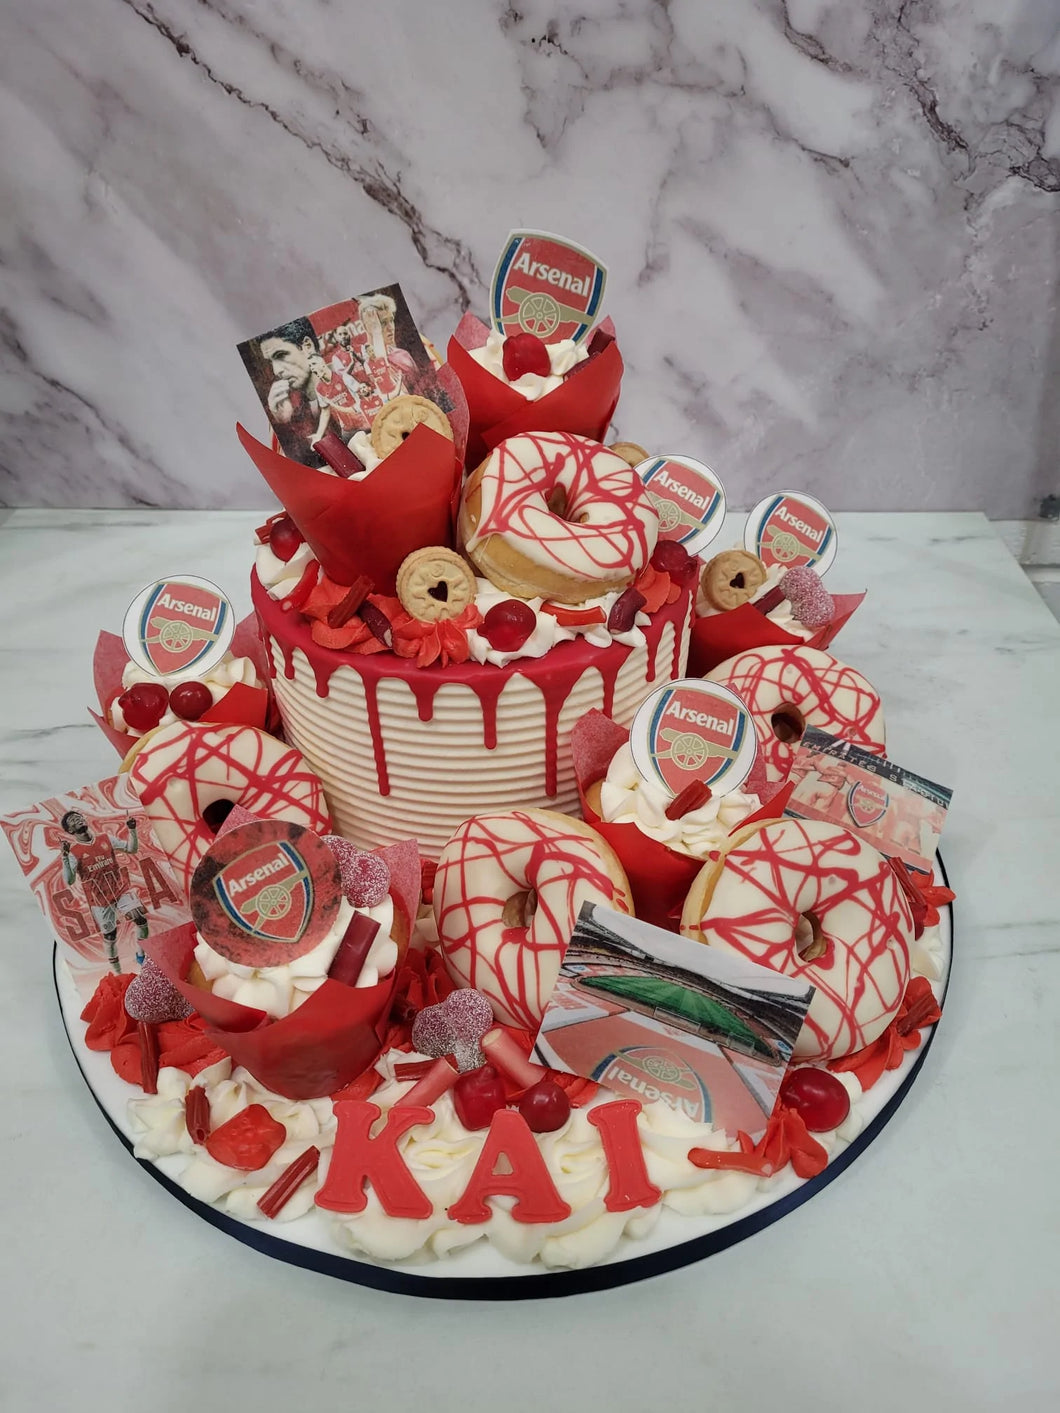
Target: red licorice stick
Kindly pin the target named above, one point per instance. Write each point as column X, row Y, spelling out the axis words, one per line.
column 439, row 1078
column 197, row 1114
column 353, row 949
column 568, row 617
column 301, row 591
column 414, row 1069
column 730, row 1162
column 338, row 455
column 505, row 1055
column 768, row 602
column 690, row 798
column 341, row 614
column 276, row 1198
column 147, row 1034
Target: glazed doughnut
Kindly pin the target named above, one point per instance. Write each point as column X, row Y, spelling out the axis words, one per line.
column 507, row 894
column 812, row 900
column 789, row 687
column 180, row 770
column 554, row 516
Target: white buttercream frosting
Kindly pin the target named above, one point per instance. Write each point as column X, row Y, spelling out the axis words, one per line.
column 627, row 798
column 563, row 355
column 219, row 679
column 280, row 990
column 280, row 576
column 548, row 631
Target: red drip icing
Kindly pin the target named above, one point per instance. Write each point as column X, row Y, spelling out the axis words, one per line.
column 609, row 676
column 371, row 704
column 424, row 692
column 489, row 694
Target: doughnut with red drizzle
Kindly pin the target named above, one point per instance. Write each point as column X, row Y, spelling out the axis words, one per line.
column 507, row 893
column 553, row 516
column 789, row 687
column 810, row 899
column 185, row 768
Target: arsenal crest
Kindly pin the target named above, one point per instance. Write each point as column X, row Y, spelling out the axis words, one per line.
column 266, row 893
column 178, row 625
column 689, row 498
column 791, row 530
column 692, row 731
column 546, row 286
column 867, row 803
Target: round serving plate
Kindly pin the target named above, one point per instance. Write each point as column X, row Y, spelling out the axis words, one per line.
column 479, row 1272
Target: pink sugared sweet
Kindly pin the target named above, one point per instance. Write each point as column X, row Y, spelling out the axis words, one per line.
column 189, row 766
column 811, row 603
column 152, row 997
column 455, row 1027
column 365, row 876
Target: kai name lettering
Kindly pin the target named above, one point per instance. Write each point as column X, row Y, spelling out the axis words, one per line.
column 249, row 879
column 788, row 518
column 698, row 718
column 668, row 483
column 553, row 276
column 193, row 610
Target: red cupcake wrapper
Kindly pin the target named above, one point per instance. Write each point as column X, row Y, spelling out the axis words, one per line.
column 241, row 705
column 659, row 877
column 723, row 635
column 583, row 404
column 326, row 1043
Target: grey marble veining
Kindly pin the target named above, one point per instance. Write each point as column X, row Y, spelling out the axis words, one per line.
column 831, row 229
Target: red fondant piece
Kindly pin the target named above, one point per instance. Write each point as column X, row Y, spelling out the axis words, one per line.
column 359, row 1158
column 918, row 1009
column 630, row 1185
column 248, row 1140
column 241, row 705
column 536, row 1198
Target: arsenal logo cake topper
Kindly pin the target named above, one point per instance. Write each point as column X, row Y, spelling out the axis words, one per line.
column 179, row 625
column 689, row 497
column 692, row 731
column 791, row 530
column 266, row 893
column 547, row 286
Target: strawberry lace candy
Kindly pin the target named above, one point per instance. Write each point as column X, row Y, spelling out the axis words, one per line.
column 365, row 877
column 811, row 603
column 455, row 1027
column 152, row 997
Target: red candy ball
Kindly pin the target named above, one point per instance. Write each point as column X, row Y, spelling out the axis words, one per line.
column 816, row 1096
column 190, row 699
column 144, row 705
column 284, row 538
column 671, row 558
column 477, row 1096
column 525, row 353
column 545, row 1107
column 507, row 625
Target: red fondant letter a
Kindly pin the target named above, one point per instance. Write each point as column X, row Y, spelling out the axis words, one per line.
column 536, row 1198
column 359, row 1158
column 630, row 1184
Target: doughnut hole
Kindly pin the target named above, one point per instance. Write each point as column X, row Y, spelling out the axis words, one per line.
column 810, row 941
column 519, row 909
column 215, row 814
column 788, row 723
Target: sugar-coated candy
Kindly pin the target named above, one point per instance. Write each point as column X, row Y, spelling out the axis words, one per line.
column 811, row 603
column 365, row 876
column 455, row 1027
column 152, row 997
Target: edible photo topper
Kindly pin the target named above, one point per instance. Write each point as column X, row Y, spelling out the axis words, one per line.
column 99, row 875
column 693, row 731
column 791, row 530
column 689, row 497
column 266, row 893
column 654, row 1016
column 895, row 810
column 331, row 371
column 183, row 624
column 547, row 286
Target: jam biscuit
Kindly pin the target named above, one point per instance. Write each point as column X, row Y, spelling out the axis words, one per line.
column 435, row 583
column 732, row 578
column 396, row 419
column 629, row 451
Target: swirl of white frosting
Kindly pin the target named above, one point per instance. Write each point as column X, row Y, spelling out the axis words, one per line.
column 219, row 678
column 547, row 630
column 280, row 576
column 280, row 990
column 563, row 355
column 627, row 798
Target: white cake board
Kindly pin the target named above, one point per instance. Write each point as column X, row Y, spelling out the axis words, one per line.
column 479, row 1272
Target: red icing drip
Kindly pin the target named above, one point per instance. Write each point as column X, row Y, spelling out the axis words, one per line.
column 371, row 703
column 423, row 691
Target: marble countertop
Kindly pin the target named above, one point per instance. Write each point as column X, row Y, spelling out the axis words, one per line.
column 924, row 1277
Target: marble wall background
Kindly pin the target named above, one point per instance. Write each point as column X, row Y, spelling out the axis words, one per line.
column 832, row 225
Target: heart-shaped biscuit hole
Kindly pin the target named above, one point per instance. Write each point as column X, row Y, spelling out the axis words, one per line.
column 440, row 591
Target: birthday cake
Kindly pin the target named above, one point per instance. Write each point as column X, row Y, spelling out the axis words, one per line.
column 497, row 924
